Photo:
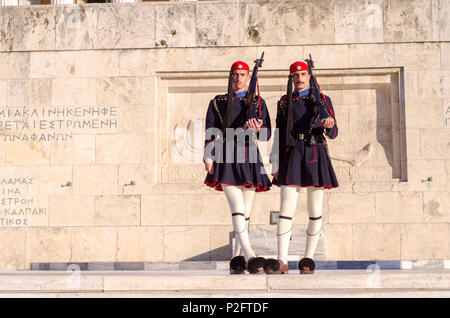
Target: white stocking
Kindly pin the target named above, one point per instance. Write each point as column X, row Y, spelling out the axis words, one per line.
column 289, row 196
column 315, row 200
column 249, row 195
column 235, row 200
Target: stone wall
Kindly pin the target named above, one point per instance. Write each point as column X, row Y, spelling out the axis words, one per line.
column 99, row 105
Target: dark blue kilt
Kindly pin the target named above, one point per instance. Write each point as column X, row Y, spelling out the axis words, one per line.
column 246, row 169
column 305, row 166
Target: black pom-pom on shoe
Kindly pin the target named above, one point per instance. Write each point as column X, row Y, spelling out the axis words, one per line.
column 237, row 265
column 306, row 266
column 271, row 266
column 256, row 265
column 274, row 266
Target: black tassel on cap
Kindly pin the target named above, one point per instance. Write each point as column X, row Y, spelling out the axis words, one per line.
column 229, row 114
column 290, row 141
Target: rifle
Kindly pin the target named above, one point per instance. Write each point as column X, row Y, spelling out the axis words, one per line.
column 250, row 98
column 324, row 109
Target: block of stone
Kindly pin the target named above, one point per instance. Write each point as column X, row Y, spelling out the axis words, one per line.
column 262, row 23
column 440, row 12
column 424, row 241
column 76, row 27
column 309, row 22
column 116, row 31
column 161, row 266
column 354, row 264
column 30, row 28
column 175, row 25
column 129, row 266
column 70, row 267
column 217, row 24
column 427, row 264
column 15, row 65
column 101, row 266
column 197, row 265
column 407, row 21
column 163, row 282
column 264, row 242
column 358, row 21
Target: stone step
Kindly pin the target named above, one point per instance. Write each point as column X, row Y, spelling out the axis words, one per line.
column 221, row 284
column 242, row 294
column 223, row 265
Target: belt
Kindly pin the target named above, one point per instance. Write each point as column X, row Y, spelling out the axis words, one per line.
column 306, row 137
column 238, row 138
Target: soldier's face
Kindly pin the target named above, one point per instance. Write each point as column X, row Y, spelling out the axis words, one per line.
column 240, row 80
column 301, row 80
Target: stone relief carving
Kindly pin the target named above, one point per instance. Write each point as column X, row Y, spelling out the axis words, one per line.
column 186, row 148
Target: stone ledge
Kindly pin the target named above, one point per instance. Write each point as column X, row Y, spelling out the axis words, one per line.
column 239, row 294
column 223, row 265
column 265, row 23
column 214, row 282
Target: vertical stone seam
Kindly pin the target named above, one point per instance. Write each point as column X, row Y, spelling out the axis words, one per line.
column 140, row 210
column 95, row 149
column 163, row 245
column 239, row 23
column 382, row 26
column 71, row 180
column 96, row 26
column 423, row 208
column 187, row 209
column 195, row 25
column 154, row 27
column 25, row 247
column 283, row 25
column 117, row 243
column 141, row 136
column 433, row 37
column 334, row 31
column 375, row 203
column 420, row 143
column 48, row 211
column 93, row 216
column 353, row 242
column 119, row 73
column 55, row 17
column 401, row 241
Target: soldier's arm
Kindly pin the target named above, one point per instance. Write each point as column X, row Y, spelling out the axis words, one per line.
column 266, row 125
column 333, row 131
column 210, row 127
column 274, row 155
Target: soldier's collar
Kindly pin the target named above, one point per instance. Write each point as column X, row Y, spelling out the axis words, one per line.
column 240, row 94
column 301, row 94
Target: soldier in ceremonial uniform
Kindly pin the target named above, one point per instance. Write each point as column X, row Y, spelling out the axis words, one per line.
column 301, row 160
column 237, row 170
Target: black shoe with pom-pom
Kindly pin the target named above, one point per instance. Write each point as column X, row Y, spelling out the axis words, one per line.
column 238, row 265
column 306, row 266
column 274, row 266
column 255, row 265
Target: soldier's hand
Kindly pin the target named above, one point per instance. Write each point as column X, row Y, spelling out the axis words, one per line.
column 275, row 175
column 257, row 124
column 328, row 122
column 250, row 124
column 209, row 166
